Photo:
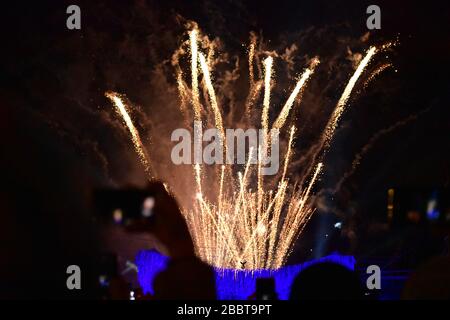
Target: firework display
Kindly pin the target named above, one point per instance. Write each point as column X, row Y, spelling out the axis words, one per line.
column 246, row 220
column 204, row 150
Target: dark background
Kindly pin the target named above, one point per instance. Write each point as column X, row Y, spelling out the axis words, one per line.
column 52, row 84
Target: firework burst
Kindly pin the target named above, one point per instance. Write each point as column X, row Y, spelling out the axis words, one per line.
column 239, row 218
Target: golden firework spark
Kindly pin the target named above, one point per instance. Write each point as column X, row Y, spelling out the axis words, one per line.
column 340, row 107
column 376, row 72
column 139, row 147
column 267, row 77
column 194, row 72
column 287, row 107
column 212, row 96
column 251, row 55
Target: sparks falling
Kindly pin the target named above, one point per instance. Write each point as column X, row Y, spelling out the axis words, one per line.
column 238, row 218
column 135, row 138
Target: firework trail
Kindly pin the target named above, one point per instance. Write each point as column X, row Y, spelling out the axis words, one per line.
column 212, row 96
column 182, row 92
column 375, row 73
column 340, row 107
column 251, row 56
column 139, row 147
column 278, row 124
column 194, row 70
column 243, row 220
column 331, row 126
column 267, row 79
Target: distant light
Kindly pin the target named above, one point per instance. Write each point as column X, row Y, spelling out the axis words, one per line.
column 413, row 216
column 147, row 206
column 390, row 203
column 432, row 212
column 433, row 215
column 338, row 225
column 132, row 297
column 117, row 215
column 103, row 280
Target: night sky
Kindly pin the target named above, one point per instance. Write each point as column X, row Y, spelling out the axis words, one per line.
column 60, row 139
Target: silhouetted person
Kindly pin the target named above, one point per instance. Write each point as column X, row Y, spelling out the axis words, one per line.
column 326, row 281
column 186, row 276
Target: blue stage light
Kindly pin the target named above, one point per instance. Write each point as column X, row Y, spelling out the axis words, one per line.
column 235, row 284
